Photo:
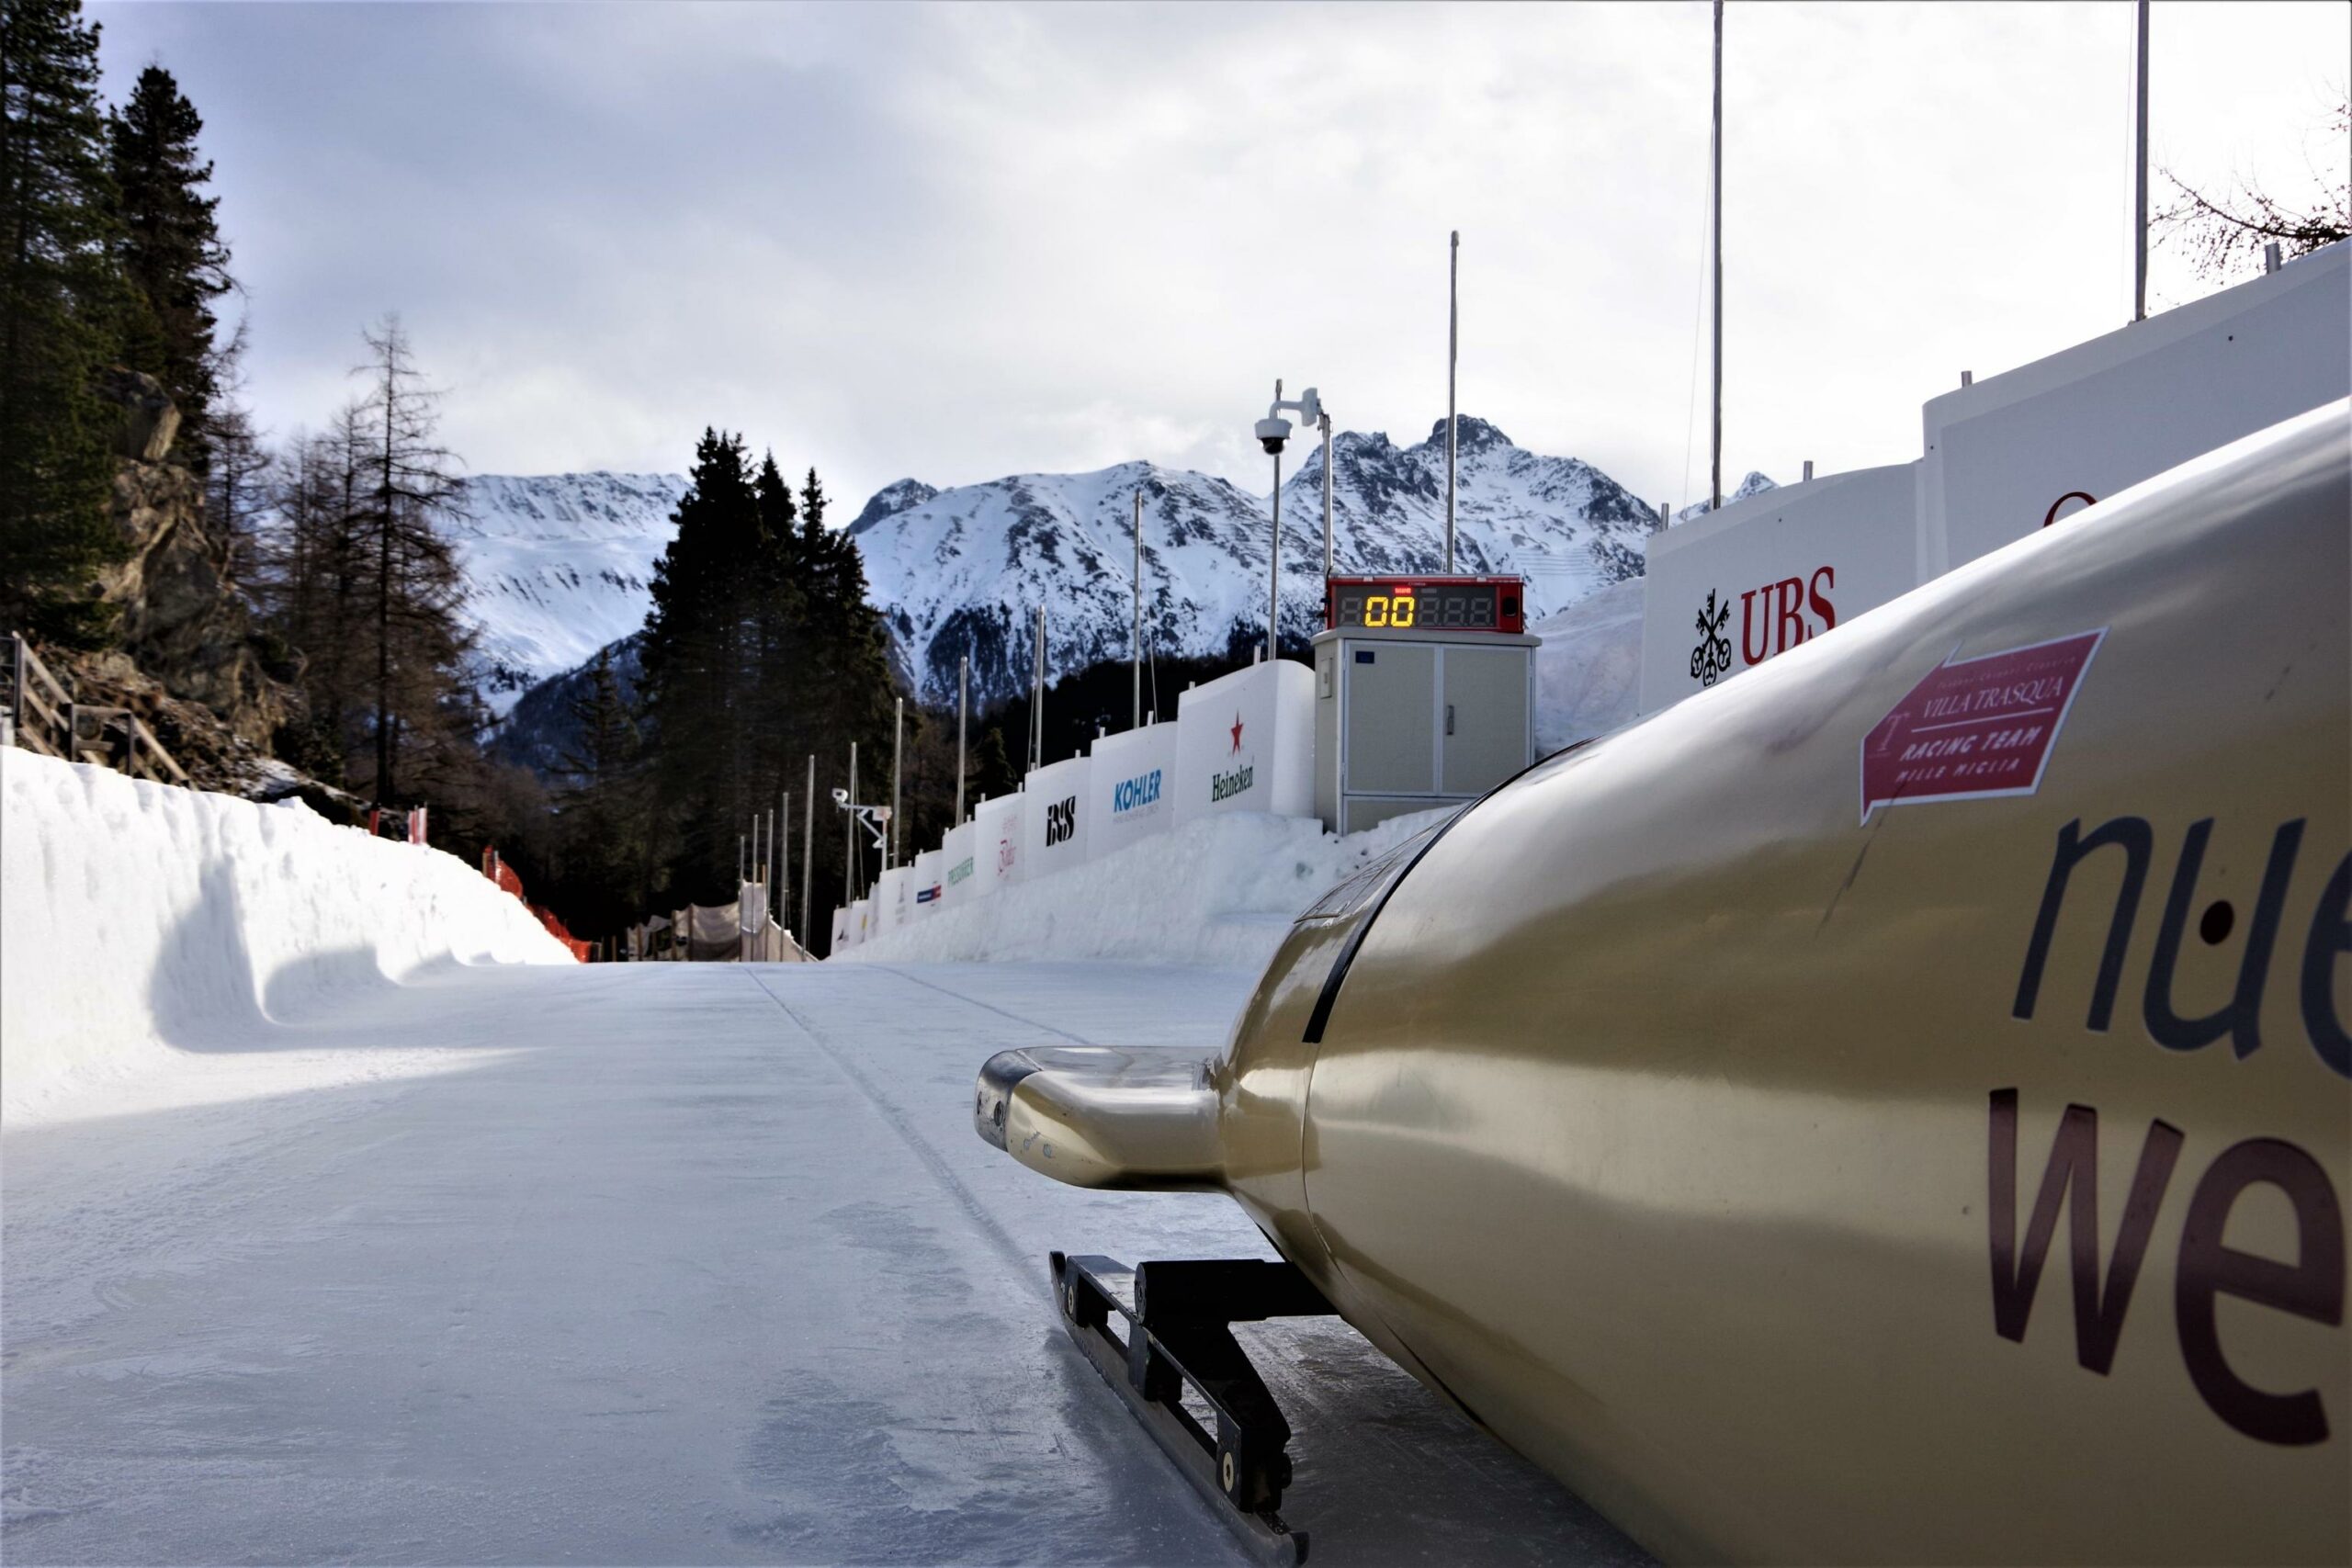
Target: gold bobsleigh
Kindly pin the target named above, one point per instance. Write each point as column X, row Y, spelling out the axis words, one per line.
column 1894, row 1106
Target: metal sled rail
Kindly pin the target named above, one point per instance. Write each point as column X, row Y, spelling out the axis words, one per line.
column 1174, row 1360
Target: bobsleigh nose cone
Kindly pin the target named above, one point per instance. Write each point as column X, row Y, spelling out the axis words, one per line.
column 993, row 1099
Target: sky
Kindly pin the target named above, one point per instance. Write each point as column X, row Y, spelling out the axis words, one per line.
column 958, row 241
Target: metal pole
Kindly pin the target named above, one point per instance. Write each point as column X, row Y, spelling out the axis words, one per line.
column 807, row 846
column 1037, row 699
column 1325, row 421
column 849, row 835
column 784, row 866
column 1716, row 210
column 1136, row 723
column 898, row 750
column 2140, row 181
column 963, row 711
column 739, row 860
column 1274, row 562
column 1452, row 352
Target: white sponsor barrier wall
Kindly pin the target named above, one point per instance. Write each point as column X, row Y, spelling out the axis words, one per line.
column 2034, row 443
column 1219, row 891
column 996, row 843
column 1130, row 793
column 840, row 931
column 926, row 874
column 959, row 865
column 861, row 922
column 1053, row 818
column 894, row 900
column 1726, row 592
column 1246, row 742
column 2006, row 457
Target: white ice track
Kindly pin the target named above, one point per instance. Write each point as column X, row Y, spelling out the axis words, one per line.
column 330, row 1233
column 691, row 1263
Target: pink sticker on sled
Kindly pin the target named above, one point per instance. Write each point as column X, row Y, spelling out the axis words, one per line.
column 1976, row 728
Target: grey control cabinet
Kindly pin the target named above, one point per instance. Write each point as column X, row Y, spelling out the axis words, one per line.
column 1407, row 720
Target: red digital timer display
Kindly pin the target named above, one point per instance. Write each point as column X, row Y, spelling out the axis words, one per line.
column 1424, row 604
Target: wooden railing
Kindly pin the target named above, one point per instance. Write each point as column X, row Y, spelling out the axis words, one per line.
column 44, row 717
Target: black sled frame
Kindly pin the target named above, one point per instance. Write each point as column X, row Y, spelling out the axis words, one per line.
column 1174, row 1336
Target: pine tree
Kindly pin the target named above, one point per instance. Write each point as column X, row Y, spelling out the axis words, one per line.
column 694, row 673
column 602, row 806
column 169, row 247
column 62, row 304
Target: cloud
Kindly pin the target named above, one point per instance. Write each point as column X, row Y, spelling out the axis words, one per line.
column 959, row 242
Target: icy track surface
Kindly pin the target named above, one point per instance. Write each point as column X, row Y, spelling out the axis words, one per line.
column 680, row 1263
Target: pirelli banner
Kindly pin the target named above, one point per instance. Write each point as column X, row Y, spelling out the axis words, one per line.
column 1053, row 818
column 996, row 843
column 928, row 872
column 1246, row 742
column 1129, row 788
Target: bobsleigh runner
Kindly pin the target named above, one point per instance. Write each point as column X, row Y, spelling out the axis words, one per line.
column 1894, row 1106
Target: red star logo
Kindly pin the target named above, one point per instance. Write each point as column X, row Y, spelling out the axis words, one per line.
column 1236, row 734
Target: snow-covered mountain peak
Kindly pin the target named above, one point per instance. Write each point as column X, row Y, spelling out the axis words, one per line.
column 891, row 500
column 557, row 566
column 962, row 572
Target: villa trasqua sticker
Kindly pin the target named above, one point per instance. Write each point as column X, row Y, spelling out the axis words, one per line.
column 1977, row 726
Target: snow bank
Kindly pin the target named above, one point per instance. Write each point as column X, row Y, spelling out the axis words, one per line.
column 1219, row 892
column 140, row 923
column 1589, row 672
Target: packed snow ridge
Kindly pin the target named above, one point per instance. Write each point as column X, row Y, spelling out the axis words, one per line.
column 160, row 935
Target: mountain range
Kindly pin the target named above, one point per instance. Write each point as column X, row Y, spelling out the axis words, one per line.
column 561, row 565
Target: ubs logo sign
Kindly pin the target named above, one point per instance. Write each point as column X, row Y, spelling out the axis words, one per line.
column 1712, row 658
column 1772, row 619
column 1061, row 821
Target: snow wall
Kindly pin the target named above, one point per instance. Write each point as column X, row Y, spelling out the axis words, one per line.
column 137, row 920
column 1219, row 892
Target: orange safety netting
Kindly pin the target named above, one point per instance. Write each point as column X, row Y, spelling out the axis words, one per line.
column 498, row 870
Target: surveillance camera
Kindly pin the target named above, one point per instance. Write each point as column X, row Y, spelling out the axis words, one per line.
column 1272, row 433
column 841, row 797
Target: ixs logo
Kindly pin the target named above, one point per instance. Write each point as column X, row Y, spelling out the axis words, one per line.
column 1134, row 793
column 1061, row 821
column 960, row 872
column 1224, row 787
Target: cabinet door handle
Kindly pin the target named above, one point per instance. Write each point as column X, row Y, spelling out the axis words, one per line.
column 1449, row 718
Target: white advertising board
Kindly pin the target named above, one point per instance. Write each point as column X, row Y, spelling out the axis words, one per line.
column 861, row 920
column 1054, row 820
column 996, row 843
column 1246, row 742
column 959, row 865
column 926, row 873
column 893, row 899
column 1130, row 793
column 1730, row 590
column 840, row 931
column 2022, row 449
